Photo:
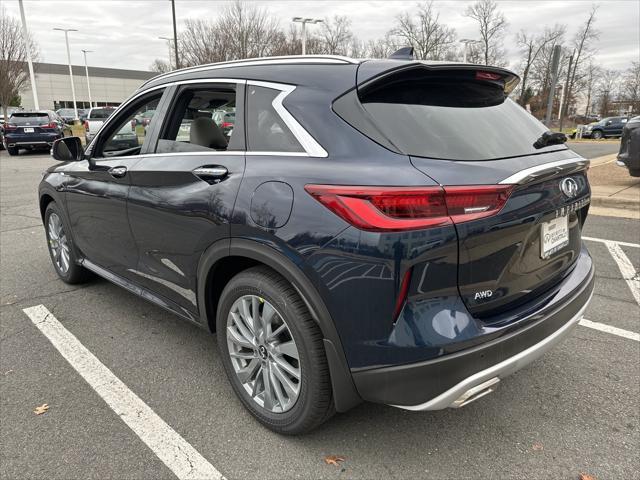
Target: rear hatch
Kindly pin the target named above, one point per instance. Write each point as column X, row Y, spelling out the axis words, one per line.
column 459, row 127
column 29, row 122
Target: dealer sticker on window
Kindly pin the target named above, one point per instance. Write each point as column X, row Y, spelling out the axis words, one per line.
column 554, row 235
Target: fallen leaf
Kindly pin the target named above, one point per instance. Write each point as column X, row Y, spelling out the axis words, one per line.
column 585, row 476
column 538, row 446
column 41, row 409
column 333, row 460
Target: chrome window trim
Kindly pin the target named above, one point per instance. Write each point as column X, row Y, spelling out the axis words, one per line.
column 533, row 172
column 252, row 62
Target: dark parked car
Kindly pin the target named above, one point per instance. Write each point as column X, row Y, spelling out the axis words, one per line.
column 607, row 127
column 629, row 155
column 32, row 131
column 399, row 232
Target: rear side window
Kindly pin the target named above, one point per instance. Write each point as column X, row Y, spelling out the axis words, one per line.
column 266, row 131
column 100, row 113
column 29, row 118
column 451, row 115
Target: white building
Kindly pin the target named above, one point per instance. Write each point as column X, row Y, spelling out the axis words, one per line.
column 109, row 86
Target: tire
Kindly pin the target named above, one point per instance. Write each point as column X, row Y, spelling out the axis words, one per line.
column 65, row 262
column 634, row 172
column 313, row 404
column 597, row 135
column 13, row 151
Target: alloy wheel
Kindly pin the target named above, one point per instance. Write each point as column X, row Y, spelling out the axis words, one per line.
column 58, row 243
column 263, row 353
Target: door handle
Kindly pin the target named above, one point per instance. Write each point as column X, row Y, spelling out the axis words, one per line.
column 118, row 172
column 211, row 174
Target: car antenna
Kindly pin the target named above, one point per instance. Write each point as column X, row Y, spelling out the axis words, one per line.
column 404, row 53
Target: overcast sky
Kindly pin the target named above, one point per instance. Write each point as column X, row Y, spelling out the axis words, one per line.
column 124, row 34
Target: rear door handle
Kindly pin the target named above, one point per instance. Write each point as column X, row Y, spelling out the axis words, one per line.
column 211, row 173
column 118, row 172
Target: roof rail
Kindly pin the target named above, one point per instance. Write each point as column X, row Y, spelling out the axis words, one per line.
column 250, row 62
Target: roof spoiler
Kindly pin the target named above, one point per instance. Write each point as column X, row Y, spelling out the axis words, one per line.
column 404, row 53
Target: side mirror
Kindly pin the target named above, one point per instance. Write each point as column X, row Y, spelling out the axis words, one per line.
column 67, row 149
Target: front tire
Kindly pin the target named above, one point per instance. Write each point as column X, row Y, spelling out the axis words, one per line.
column 13, row 151
column 61, row 247
column 272, row 352
column 597, row 135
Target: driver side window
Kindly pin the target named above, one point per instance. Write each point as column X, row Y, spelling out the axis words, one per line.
column 126, row 135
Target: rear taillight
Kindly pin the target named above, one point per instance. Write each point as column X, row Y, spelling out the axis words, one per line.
column 9, row 127
column 226, row 124
column 480, row 75
column 51, row 125
column 86, row 125
column 380, row 209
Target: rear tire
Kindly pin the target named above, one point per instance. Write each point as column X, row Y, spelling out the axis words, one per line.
column 634, row 172
column 264, row 290
column 597, row 135
column 61, row 248
column 13, row 151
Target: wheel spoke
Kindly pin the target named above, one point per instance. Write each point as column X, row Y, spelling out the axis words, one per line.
column 237, row 338
column 244, row 356
column 289, row 386
column 278, row 331
column 242, row 328
column 287, row 348
column 256, row 319
column 278, row 390
column 286, row 366
column 245, row 314
column 267, row 316
column 268, row 392
column 255, row 390
column 247, row 373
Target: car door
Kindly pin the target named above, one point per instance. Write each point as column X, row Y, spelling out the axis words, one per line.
column 182, row 195
column 97, row 191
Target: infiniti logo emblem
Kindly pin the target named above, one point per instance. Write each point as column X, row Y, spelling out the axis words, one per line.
column 569, row 187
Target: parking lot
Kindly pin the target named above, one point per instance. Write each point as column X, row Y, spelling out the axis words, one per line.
column 576, row 410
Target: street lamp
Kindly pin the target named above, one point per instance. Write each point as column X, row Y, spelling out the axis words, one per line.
column 304, row 22
column 27, row 47
column 467, row 42
column 169, row 40
column 86, row 71
column 73, row 88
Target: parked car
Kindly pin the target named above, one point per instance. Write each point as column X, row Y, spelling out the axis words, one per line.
column 1, row 131
column 225, row 120
column 67, row 114
column 340, row 251
column 95, row 119
column 32, row 130
column 607, row 127
column 629, row 154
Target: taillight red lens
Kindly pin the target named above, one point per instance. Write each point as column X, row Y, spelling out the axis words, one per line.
column 480, row 75
column 380, row 209
column 51, row 125
column 9, row 126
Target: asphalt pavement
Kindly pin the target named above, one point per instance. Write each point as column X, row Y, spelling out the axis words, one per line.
column 576, row 410
column 595, row 148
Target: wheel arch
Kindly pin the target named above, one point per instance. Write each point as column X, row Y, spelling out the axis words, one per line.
column 225, row 258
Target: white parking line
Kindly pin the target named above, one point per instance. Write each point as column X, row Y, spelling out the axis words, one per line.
column 174, row 451
column 603, row 240
column 626, row 269
column 609, row 329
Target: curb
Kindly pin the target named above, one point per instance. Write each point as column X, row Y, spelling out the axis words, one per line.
column 611, row 202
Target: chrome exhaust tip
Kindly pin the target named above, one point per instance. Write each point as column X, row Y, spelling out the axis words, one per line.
column 476, row 392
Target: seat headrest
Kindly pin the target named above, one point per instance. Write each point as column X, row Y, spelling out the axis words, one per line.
column 206, row 133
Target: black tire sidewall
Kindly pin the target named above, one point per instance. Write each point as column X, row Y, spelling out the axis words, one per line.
column 293, row 420
column 597, row 135
column 75, row 272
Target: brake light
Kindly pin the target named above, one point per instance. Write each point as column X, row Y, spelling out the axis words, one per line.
column 9, row 126
column 86, row 125
column 226, row 124
column 487, row 76
column 389, row 209
column 51, row 125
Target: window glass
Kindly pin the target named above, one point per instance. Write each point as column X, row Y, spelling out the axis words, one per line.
column 29, row 118
column 98, row 113
column 126, row 136
column 266, row 131
column 202, row 119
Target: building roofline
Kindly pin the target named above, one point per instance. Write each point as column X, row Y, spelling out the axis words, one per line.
column 63, row 69
column 251, row 62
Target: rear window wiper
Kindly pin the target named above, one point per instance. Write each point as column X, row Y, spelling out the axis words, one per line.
column 549, row 138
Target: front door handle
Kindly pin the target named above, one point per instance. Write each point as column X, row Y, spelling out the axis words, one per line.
column 212, row 173
column 118, row 172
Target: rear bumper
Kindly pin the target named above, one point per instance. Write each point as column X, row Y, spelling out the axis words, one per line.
column 40, row 140
column 454, row 380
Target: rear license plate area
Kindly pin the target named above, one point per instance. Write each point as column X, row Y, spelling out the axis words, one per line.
column 554, row 235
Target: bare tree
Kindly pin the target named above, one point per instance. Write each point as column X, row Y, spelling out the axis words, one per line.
column 593, row 72
column 336, row 35
column 159, row 65
column 531, row 46
column 582, row 49
column 631, row 86
column 14, row 74
column 492, row 24
column 381, row 47
column 607, row 90
column 429, row 38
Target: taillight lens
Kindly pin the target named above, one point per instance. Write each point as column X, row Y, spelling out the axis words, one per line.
column 380, row 209
column 9, row 126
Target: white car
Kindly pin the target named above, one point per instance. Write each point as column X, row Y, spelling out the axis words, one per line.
column 95, row 118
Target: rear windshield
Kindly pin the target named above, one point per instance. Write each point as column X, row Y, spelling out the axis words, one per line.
column 453, row 117
column 28, row 118
column 101, row 112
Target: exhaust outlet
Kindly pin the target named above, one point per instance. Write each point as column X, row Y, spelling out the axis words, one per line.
column 476, row 392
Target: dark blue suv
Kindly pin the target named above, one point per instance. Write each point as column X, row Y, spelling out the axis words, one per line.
column 32, row 131
column 392, row 231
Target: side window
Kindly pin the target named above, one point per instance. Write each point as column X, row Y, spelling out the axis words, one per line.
column 202, row 119
column 266, row 131
column 126, row 135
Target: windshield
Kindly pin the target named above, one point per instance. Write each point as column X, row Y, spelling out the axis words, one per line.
column 29, row 118
column 66, row 112
column 454, row 117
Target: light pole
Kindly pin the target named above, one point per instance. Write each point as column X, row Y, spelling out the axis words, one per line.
column 175, row 33
column 27, row 47
column 304, row 22
column 168, row 40
column 86, row 71
column 73, row 88
column 467, row 42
